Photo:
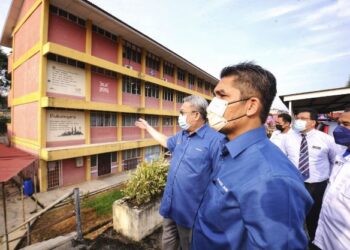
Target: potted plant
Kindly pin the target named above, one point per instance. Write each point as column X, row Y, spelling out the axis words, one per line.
column 136, row 215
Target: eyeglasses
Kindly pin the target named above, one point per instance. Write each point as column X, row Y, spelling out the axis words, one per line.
column 183, row 112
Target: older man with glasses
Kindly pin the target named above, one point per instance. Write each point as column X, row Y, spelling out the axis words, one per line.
column 194, row 149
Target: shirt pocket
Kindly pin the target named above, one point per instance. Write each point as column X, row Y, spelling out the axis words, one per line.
column 197, row 158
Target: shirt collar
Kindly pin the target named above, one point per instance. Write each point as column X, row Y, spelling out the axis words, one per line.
column 200, row 132
column 245, row 140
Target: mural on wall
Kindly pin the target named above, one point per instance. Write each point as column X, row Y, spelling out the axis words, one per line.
column 64, row 125
column 65, row 79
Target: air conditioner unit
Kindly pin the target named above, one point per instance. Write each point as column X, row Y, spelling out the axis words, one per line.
column 128, row 66
column 79, row 162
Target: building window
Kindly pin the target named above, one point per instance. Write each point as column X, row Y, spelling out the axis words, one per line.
column 191, row 79
column 131, row 52
column 152, row 61
column 129, row 120
column 93, row 160
column 212, row 87
column 167, row 121
column 180, row 97
column 200, row 83
column 131, row 158
column 152, row 153
column 168, row 94
column 151, row 90
column 180, row 74
column 207, row 86
column 152, row 120
column 65, row 60
column 104, row 72
column 104, row 33
column 114, row 157
column 103, row 119
column 168, row 68
column 131, row 85
column 66, row 15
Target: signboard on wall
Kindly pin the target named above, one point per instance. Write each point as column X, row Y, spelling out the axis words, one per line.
column 65, row 125
column 65, row 79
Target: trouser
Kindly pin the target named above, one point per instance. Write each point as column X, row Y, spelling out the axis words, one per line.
column 316, row 191
column 175, row 237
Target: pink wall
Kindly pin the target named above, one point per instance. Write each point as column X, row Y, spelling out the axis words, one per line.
column 131, row 133
column 135, row 66
column 178, row 106
column 28, row 35
column 152, row 72
column 64, row 143
column 131, row 100
column 23, row 148
column 178, row 128
column 152, row 102
column 72, row 174
column 168, row 105
column 103, row 88
column 207, row 92
column 103, row 134
column 25, row 121
column 169, row 78
column 9, row 63
column 66, row 33
column 181, row 83
column 26, row 77
column 104, row 48
column 27, row 4
column 168, row 130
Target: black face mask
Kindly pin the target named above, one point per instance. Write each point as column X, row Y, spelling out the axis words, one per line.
column 279, row 127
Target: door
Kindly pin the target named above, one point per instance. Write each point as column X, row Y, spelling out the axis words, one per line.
column 53, row 174
column 104, row 164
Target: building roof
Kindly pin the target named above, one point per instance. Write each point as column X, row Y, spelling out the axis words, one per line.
column 324, row 101
column 105, row 20
column 13, row 161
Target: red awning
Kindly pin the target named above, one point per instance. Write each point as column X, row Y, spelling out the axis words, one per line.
column 13, row 161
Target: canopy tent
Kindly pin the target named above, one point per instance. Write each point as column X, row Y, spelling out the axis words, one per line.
column 324, row 101
column 13, row 161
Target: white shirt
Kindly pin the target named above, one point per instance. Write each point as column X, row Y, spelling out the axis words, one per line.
column 322, row 152
column 333, row 230
column 276, row 137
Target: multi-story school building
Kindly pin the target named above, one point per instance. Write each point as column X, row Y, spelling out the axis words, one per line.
column 80, row 79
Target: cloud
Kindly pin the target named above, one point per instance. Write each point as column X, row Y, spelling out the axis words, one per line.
column 280, row 11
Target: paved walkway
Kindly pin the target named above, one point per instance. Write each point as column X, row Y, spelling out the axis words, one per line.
column 14, row 204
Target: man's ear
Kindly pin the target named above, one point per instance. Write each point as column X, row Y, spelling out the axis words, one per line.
column 253, row 106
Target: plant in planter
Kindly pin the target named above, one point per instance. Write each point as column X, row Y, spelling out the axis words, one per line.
column 136, row 215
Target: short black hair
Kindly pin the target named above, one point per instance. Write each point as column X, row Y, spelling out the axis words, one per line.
column 253, row 80
column 313, row 112
column 285, row 117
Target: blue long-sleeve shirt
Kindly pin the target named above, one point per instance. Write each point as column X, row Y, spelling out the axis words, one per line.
column 190, row 168
column 256, row 199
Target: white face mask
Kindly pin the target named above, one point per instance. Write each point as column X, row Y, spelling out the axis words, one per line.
column 215, row 113
column 299, row 125
column 182, row 122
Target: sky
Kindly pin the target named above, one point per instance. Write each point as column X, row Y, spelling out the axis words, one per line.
column 305, row 44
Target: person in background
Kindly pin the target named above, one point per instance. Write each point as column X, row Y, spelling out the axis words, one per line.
column 313, row 154
column 333, row 230
column 194, row 149
column 282, row 128
column 256, row 198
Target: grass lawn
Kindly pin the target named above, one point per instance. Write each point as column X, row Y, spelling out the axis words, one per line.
column 103, row 203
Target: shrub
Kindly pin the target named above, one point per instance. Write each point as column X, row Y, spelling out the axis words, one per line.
column 147, row 182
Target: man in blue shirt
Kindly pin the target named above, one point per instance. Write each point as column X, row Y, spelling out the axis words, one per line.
column 256, row 198
column 193, row 149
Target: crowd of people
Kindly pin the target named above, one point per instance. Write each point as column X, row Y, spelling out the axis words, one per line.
column 231, row 187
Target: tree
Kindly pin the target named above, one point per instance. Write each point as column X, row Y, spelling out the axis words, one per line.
column 5, row 82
